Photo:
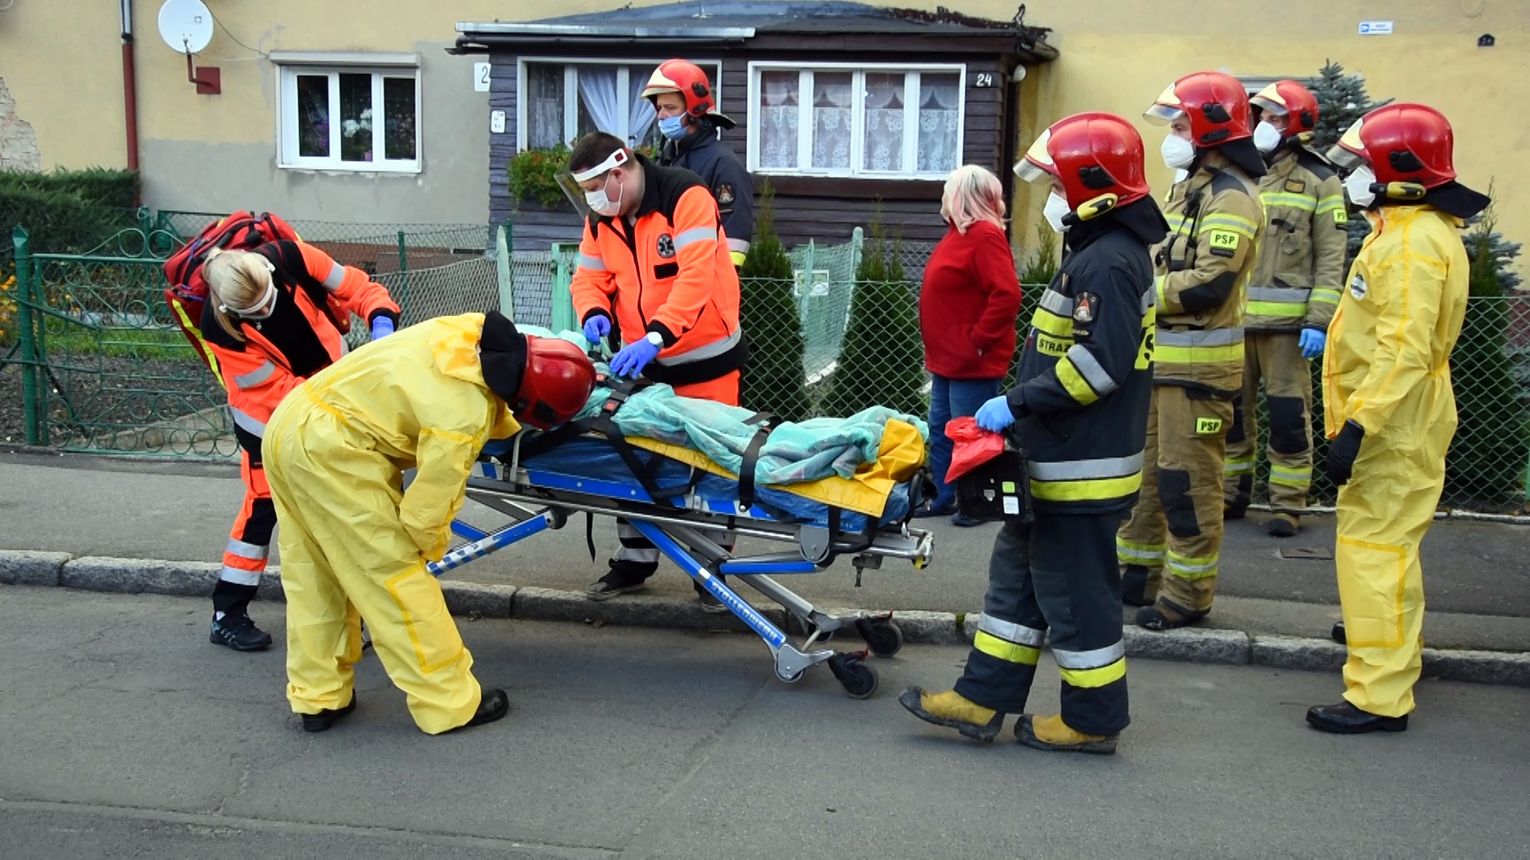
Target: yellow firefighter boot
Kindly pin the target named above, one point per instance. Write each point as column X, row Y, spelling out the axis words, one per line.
column 1051, row 733
column 951, row 710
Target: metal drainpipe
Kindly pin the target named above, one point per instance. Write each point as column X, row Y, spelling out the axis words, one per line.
column 129, row 85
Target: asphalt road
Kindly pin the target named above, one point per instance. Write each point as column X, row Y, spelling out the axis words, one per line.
column 127, row 735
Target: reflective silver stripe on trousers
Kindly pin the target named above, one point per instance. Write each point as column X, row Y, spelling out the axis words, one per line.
column 1089, row 368
column 1080, row 470
column 247, row 423
column 1089, row 659
column 256, row 376
column 739, row 245
column 1215, row 337
column 706, row 351
column 239, row 577
column 1009, row 631
column 1057, row 303
column 251, row 551
column 335, row 278
column 594, row 264
column 1277, row 294
column 694, row 235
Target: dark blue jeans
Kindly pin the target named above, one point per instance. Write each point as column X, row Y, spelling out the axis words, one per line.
column 952, row 398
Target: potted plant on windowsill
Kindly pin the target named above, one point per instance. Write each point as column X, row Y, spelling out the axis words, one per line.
column 534, row 176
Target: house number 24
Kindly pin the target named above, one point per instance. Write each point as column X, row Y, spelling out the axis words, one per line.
column 982, row 79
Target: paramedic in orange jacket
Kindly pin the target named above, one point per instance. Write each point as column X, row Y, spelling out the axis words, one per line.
column 273, row 318
column 654, row 258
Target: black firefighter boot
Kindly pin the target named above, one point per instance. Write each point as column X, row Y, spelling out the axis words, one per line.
column 232, row 626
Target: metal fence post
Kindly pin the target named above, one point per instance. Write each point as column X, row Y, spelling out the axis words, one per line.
column 29, row 363
column 403, row 272
column 562, row 299
column 504, row 269
column 857, row 243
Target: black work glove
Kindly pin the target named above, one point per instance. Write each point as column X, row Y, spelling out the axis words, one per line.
column 1342, row 452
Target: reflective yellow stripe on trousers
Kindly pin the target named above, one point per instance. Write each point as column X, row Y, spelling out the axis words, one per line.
column 1008, row 641
column 1091, row 669
column 1280, row 302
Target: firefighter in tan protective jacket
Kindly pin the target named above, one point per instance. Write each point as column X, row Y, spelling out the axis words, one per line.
column 1202, row 269
column 1290, row 301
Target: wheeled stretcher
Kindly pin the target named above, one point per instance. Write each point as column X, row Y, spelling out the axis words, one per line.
column 685, row 511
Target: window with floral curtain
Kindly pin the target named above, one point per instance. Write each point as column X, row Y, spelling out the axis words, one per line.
column 336, row 118
column 778, row 118
column 566, row 101
column 878, row 121
column 940, row 122
column 884, row 122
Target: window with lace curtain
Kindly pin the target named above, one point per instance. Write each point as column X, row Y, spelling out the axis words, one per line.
column 560, row 101
column 872, row 120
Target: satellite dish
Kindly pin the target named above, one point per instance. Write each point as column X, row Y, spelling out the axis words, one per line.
column 185, row 25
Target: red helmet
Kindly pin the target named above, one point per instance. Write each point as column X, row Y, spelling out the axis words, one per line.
column 1289, row 98
column 1091, row 155
column 1216, row 104
column 558, row 380
column 687, row 79
column 1403, row 142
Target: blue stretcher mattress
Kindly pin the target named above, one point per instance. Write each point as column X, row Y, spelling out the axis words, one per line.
column 590, row 465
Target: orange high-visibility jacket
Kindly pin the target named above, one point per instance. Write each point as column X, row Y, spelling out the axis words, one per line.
column 315, row 296
column 668, row 271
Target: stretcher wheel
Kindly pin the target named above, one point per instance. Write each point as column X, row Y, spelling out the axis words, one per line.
column 789, row 677
column 859, row 679
column 882, row 636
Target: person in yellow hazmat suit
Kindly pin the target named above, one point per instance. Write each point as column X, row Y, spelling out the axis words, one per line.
column 354, row 545
column 1388, row 405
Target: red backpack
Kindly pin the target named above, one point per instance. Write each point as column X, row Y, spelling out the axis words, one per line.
column 187, row 293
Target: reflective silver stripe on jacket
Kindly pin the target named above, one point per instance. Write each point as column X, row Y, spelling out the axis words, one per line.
column 1089, row 659
column 594, row 264
column 1083, row 470
column 335, row 278
column 1057, row 303
column 705, row 351
column 248, row 424
column 694, row 235
column 1089, row 367
column 739, row 245
column 1278, row 294
column 1009, row 631
column 1214, row 337
column 256, row 376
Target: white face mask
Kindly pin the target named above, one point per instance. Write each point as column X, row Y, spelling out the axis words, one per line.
column 1180, row 175
column 1177, row 151
column 1357, row 186
column 1057, row 207
column 601, row 204
column 1266, row 137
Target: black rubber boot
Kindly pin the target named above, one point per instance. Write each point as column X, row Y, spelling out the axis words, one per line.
column 493, row 706
column 1346, row 719
column 324, row 720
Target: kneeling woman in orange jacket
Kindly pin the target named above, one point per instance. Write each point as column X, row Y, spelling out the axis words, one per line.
column 274, row 316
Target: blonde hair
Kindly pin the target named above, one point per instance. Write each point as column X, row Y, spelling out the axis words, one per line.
column 237, row 279
column 972, row 194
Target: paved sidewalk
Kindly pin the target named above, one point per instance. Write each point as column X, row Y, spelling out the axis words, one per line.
column 128, row 735
column 1477, row 575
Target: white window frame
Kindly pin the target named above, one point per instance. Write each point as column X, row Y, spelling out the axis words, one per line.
column 910, row 72
column 571, row 89
column 290, row 65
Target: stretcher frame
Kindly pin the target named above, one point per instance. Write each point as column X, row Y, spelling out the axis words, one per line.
column 684, row 528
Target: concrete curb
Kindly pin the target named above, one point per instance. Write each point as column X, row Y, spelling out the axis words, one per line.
column 482, row 600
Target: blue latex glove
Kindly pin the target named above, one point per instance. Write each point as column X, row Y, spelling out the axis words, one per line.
column 1312, row 342
column 596, row 328
column 995, row 416
column 633, row 358
column 381, row 327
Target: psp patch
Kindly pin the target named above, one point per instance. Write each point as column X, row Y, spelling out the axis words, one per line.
column 1086, row 307
column 666, row 246
column 1357, row 286
column 1223, row 243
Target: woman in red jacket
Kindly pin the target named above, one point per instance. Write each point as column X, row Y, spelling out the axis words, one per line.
column 967, row 311
column 274, row 317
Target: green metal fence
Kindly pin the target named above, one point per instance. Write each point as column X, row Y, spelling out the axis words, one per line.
column 99, row 365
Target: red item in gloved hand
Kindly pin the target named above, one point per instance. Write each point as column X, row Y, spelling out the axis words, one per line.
column 973, row 446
